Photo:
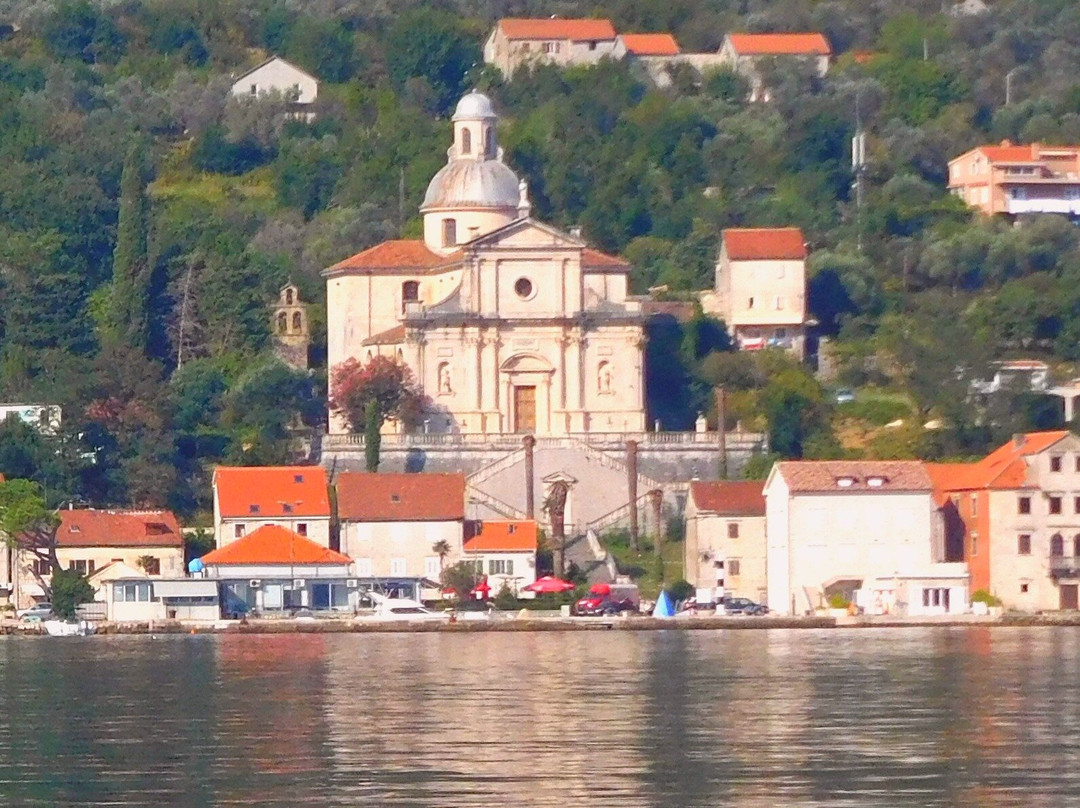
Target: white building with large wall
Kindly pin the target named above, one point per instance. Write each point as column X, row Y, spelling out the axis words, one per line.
column 509, row 325
column 275, row 75
column 869, row 530
column 515, row 43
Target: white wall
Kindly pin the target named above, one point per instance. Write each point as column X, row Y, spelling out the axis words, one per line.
column 278, row 75
column 399, row 548
column 318, row 528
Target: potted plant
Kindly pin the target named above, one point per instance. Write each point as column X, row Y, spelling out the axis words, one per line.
column 983, row 602
column 838, row 605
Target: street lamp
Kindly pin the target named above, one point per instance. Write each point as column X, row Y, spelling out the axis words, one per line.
column 1008, row 84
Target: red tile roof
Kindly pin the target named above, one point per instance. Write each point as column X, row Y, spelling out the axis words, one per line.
column 364, row 497
column 391, row 336
column 268, row 492
column 595, row 259
column 506, row 537
column 809, row 44
column 93, row 528
column 764, row 243
column 651, row 44
column 273, row 544
column 731, row 497
column 577, row 30
column 1006, row 153
column 820, row 476
column 397, row 254
column 1003, row 468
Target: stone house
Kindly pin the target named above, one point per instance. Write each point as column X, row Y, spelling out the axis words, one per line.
column 745, row 53
column 724, row 548
column 515, row 43
column 275, row 75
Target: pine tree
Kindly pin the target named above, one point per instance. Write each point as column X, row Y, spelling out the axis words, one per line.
column 128, row 320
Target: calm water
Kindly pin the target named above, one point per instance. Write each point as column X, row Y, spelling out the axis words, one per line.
column 921, row 717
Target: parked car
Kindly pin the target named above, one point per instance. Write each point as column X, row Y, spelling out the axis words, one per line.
column 37, row 612
column 844, row 396
column 743, row 606
column 608, row 599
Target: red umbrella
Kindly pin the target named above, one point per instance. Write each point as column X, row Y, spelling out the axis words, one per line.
column 482, row 589
column 547, row 584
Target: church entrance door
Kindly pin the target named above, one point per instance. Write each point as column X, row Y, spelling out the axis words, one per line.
column 524, row 409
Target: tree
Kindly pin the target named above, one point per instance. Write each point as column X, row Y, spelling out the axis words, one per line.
column 69, row 588
column 28, row 526
column 461, row 577
column 441, row 548
column 387, row 382
column 430, row 44
column 372, row 435
column 130, row 293
column 555, row 505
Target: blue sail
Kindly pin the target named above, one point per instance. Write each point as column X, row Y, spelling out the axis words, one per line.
column 664, row 606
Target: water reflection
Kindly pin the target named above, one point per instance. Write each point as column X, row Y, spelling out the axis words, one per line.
column 971, row 718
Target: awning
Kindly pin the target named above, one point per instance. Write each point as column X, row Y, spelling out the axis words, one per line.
column 193, row 588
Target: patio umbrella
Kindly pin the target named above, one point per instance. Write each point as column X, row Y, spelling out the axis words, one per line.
column 482, row 590
column 547, row 584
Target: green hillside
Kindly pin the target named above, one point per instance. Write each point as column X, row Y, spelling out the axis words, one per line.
column 146, row 221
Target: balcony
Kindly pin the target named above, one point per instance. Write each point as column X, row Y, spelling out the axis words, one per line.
column 1064, row 567
column 1069, row 207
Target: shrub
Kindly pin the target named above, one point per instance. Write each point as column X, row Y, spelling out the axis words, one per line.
column 983, row 596
column 877, row 411
column 838, row 601
column 681, row 590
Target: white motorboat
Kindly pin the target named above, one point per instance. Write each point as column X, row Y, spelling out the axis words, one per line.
column 404, row 609
column 63, row 628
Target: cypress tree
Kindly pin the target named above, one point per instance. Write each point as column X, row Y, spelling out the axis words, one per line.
column 130, row 293
column 372, row 435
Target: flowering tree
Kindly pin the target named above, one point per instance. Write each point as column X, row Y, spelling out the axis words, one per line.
column 387, row 382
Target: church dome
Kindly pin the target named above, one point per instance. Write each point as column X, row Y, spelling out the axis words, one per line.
column 473, row 184
column 473, row 106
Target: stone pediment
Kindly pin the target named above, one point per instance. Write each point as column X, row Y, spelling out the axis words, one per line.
column 527, row 233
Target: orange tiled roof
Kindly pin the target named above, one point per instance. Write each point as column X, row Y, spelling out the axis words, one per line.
column 651, row 44
column 391, row 336
column 764, row 243
column 734, row 497
column 396, row 254
column 94, row 528
column 809, row 44
column 1006, row 152
column 268, row 492
column 595, row 258
column 1003, row 468
column 577, row 30
column 817, row 476
column 365, row 497
column 273, row 544
column 507, row 537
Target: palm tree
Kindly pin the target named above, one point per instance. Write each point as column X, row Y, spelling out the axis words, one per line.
column 442, row 549
column 555, row 505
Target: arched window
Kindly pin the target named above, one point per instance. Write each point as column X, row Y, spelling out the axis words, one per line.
column 449, row 232
column 400, row 356
column 1076, row 545
column 603, row 378
column 288, row 296
column 466, row 141
column 297, row 321
column 410, row 293
column 282, row 322
column 1057, row 546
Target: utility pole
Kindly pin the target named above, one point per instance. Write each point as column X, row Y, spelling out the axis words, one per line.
column 858, row 167
column 1008, row 85
column 401, row 201
column 530, row 500
column 721, row 429
column 631, row 486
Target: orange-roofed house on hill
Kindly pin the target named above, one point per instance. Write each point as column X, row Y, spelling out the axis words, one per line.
column 89, row 540
column 505, row 552
column 275, row 569
column 249, row 497
column 401, row 526
column 760, row 288
column 869, row 530
column 515, row 43
column 508, row 325
column 745, row 52
column 1011, row 179
column 724, row 548
column 1016, row 513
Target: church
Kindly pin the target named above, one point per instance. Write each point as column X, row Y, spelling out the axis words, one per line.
column 508, row 324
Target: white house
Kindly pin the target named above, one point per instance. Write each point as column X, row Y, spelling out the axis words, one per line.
column 249, row 497
column 869, row 530
column 141, row 600
column 394, row 526
column 274, row 569
column 724, row 548
column 505, row 552
column 275, row 75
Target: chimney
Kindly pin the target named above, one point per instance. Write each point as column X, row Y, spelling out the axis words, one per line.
column 1018, row 440
column 575, row 231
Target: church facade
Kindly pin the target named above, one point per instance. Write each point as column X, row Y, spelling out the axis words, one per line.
column 509, row 325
